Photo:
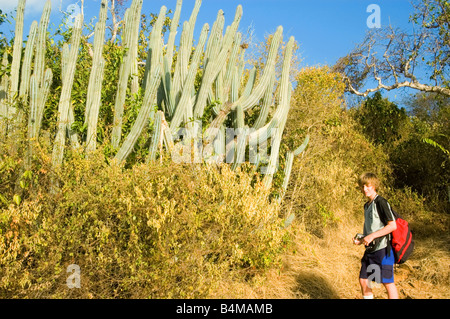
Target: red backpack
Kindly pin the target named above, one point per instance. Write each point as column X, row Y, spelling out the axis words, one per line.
column 402, row 241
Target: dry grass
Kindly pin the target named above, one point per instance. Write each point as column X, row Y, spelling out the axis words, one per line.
column 328, row 267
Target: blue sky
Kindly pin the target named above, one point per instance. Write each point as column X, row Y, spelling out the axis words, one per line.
column 325, row 29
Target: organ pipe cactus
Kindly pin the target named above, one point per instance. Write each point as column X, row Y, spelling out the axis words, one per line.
column 168, row 87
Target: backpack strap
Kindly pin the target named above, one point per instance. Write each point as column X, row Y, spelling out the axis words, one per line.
column 384, row 221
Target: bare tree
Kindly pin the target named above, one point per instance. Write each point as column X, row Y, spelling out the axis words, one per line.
column 393, row 58
column 116, row 9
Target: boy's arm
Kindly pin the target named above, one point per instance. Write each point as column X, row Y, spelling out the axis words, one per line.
column 389, row 228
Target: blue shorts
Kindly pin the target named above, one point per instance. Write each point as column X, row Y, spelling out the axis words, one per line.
column 378, row 266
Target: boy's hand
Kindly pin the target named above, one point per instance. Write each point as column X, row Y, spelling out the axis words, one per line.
column 367, row 240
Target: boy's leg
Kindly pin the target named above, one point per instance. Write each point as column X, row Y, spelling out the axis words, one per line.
column 365, row 289
column 391, row 290
column 363, row 278
column 387, row 265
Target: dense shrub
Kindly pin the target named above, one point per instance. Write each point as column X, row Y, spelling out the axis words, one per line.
column 151, row 231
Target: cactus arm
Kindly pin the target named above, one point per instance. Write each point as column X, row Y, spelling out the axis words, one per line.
column 169, row 97
column 154, row 53
column 176, row 82
column 231, row 67
column 91, row 140
column 93, row 98
column 124, row 73
column 17, row 49
column 193, row 19
column 213, row 66
column 280, row 114
column 136, row 23
column 250, row 83
column 41, row 43
column 42, row 99
column 26, row 66
column 66, row 90
column 157, row 137
column 38, row 98
column 288, row 165
column 266, row 104
column 173, row 33
column 73, row 135
column 287, row 171
column 99, row 39
column 215, row 39
column 257, row 93
column 302, row 147
column 183, row 111
column 143, row 116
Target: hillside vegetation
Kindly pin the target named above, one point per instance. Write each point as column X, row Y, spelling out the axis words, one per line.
column 137, row 224
column 165, row 230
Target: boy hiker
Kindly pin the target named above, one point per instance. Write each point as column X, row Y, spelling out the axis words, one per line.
column 377, row 264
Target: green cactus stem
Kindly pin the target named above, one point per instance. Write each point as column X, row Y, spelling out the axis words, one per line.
column 288, row 165
column 213, row 66
column 38, row 98
column 41, row 43
column 143, row 116
column 17, row 50
column 154, row 53
column 266, row 104
column 93, row 99
column 66, row 90
column 130, row 37
column 157, row 138
column 173, row 32
column 280, row 113
column 37, row 102
column 26, row 65
column 184, row 107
